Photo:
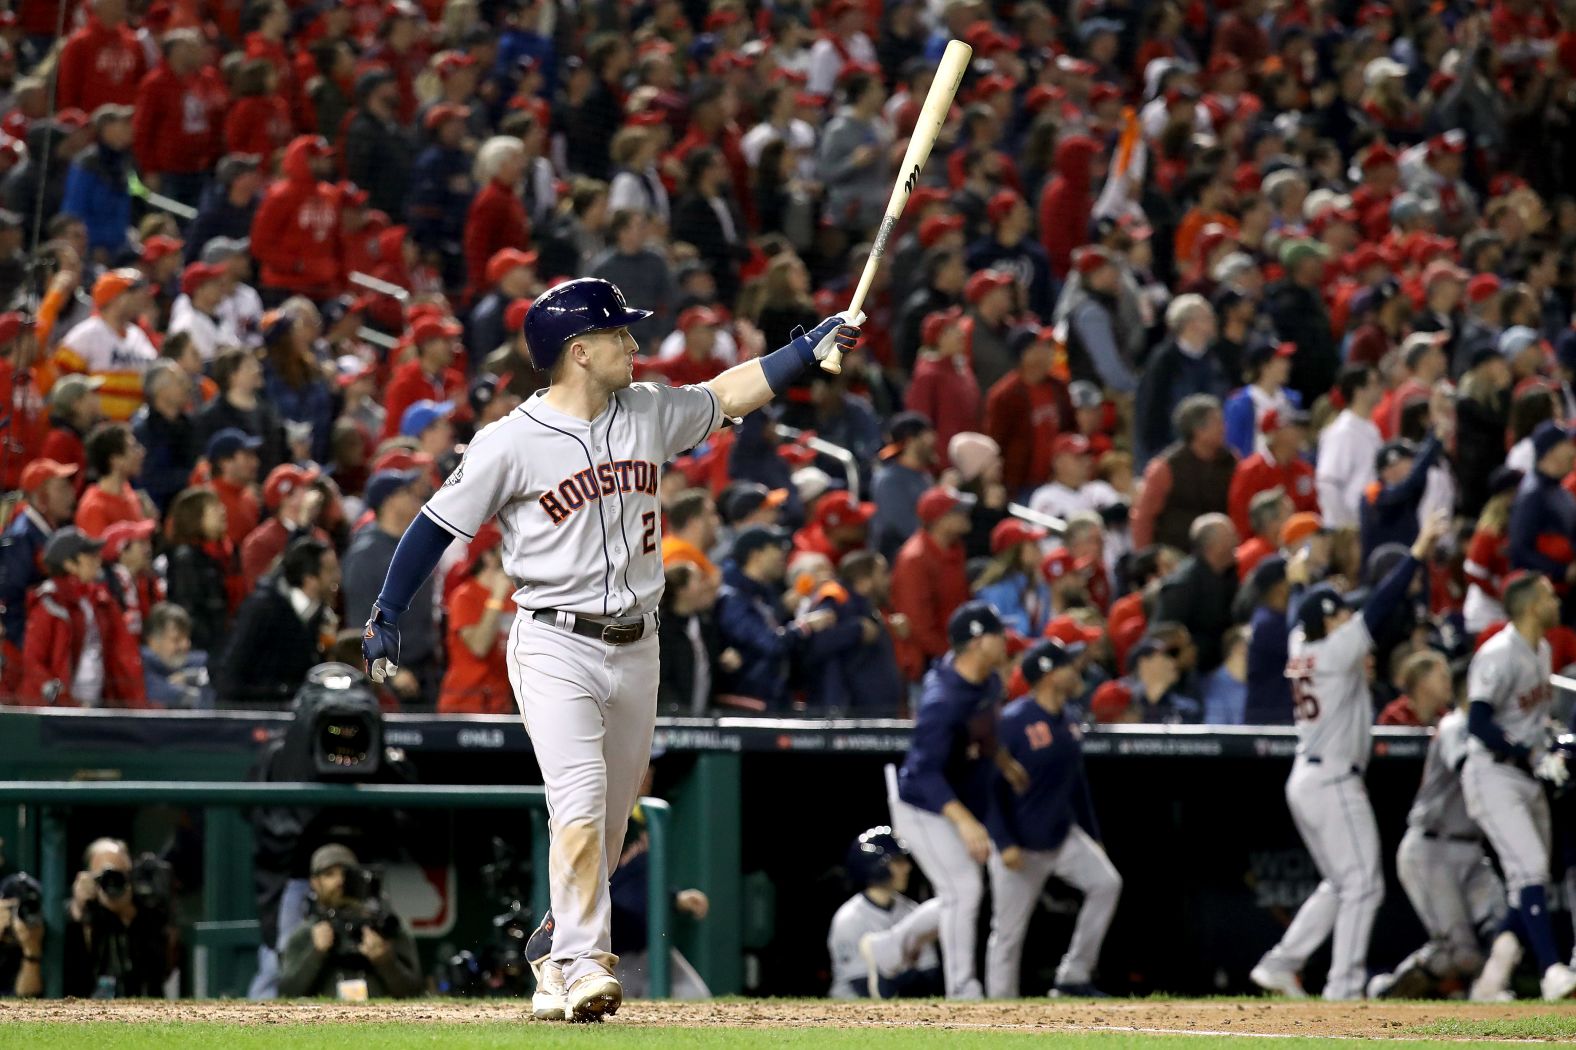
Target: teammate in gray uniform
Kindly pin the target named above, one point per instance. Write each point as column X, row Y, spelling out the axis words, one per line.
column 881, row 942
column 1508, row 757
column 572, row 477
column 1328, row 667
column 1446, row 875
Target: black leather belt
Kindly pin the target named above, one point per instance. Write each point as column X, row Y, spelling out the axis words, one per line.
column 620, row 632
column 1438, row 835
column 1315, row 760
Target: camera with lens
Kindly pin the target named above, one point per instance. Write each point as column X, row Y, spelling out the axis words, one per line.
column 499, row 966
column 363, row 907
column 150, row 883
column 28, row 895
column 344, row 722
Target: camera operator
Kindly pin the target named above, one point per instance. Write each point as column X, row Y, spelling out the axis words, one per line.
column 118, row 932
column 351, row 945
column 21, row 936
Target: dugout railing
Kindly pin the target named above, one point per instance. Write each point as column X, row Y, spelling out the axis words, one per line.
column 225, row 942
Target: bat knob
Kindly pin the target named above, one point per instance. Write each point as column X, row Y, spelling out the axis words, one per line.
column 833, row 367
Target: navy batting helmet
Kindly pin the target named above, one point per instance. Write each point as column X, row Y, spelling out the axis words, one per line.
column 871, row 855
column 587, row 304
column 1318, row 605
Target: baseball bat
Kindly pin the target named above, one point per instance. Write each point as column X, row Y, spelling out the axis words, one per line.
column 949, row 74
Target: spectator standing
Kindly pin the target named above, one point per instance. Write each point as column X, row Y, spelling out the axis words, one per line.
column 751, row 620
column 129, row 575
column 992, row 297
column 1280, row 466
column 1487, row 563
column 258, row 123
column 429, row 375
column 852, row 155
column 97, row 187
column 1199, row 593
column 49, row 500
column 1389, row 509
column 1543, row 517
column 1095, row 336
column 293, row 379
column 284, row 629
column 196, row 311
column 115, row 457
column 637, row 185
column 1269, row 701
column 1010, row 248
column 510, row 278
column 73, row 411
column 1268, row 367
column 174, row 674
column 1482, row 420
column 479, row 615
column 1297, row 308
column 233, row 470
column 294, row 499
column 929, row 581
column 196, row 567
column 1026, row 411
column 852, row 665
column 902, row 477
column 690, row 530
column 173, row 132
column 943, row 388
column 77, row 652
column 1187, row 480
column 1268, row 512
column 640, row 272
column 1149, row 694
column 395, row 497
column 1011, row 583
column 1071, row 487
column 378, row 153
column 1067, row 201
column 239, row 377
column 110, row 346
column 496, row 219
column 1349, row 448
column 945, row 276
column 708, row 217
column 1179, row 368
column 691, row 652
column 227, row 207
column 442, row 188
column 23, row 385
column 1226, row 690
column 101, row 63
column 295, row 231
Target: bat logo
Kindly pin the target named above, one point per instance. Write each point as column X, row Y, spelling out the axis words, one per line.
column 912, row 180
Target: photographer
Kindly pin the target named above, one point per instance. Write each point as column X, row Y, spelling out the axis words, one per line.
column 21, row 937
column 118, row 932
column 351, row 945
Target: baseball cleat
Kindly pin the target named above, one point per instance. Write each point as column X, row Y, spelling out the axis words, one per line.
column 595, row 997
column 867, row 950
column 1559, row 981
column 1081, row 990
column 1280, row 982
column 1414, row 982
column 548, row 1002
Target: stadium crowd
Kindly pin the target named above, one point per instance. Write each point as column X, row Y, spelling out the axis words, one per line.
column 1234, row 294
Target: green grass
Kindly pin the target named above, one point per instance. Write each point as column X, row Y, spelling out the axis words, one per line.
column 199, row 1035
column 1525, row 1026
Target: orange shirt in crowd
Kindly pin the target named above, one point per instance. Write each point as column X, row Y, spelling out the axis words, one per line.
column 474, row 685
column 98, row 509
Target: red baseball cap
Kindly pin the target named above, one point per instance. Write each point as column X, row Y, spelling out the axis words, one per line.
column 1378, row 156
column 1009, row 532
column 1088, row 259
column 1070, row 445
column 939, row 501
column 429, row 328
column 1103, row 92
column 936, row 227
column 936, row 323
column 200, row 273
column 1001, row 204
column 984, row 282
column 1069, row 631
column 838, row 509
column 504, row 261
column 41, row 470
column 1450, row 142
column 119, row 535
column 1443, row 270
column 1479, row 288
column 1110, row 700
column 1058, row 563
column 698, row 315
column 284, row 480
column 160, row 246
column 451, row 63
column 442, row 112
column 514, row 316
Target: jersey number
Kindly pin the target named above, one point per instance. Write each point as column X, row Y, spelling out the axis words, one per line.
column 1307, row 705
column 648, row 544
column 1039, row 735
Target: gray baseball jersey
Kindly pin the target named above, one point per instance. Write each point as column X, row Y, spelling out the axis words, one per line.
column 576, row 500
column 1330, row 697
column 857, row 917
column 1513, row 679
column 1440, row 806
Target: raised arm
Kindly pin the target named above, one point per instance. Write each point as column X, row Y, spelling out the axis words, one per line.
column 749, row 385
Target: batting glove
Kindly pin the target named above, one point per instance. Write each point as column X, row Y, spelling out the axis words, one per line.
column 839, row 330
column 380, row 645
column 1552, row 768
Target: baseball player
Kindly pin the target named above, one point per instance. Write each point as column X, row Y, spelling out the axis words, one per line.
column 1048, row 829
column 1507, row 756
column 1446, row 876
column 572, row 477
column 883, row 944
column 1328, row 667
column 938, row 798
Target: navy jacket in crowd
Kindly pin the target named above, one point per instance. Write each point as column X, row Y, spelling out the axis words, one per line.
column 20, row 550
column 1169, row 376
column 484, row 328
column 172, row 452
column 1388, row 513
column 845, row 674
column 312, row 402
column 1026, row 261
column 750, row 618
column 1050, row 749
column 217, row 217
column 754, row 458
column 951, row 753
column 440, row 197
column 1269, row 690
column 1542, row 526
